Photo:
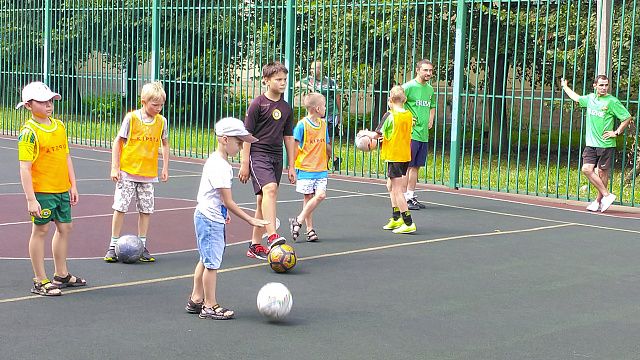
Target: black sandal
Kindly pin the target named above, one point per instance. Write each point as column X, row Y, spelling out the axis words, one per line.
column 294, row 226
column 216, row 312
column 63, row 282
column 312, row 236
column 45, row 288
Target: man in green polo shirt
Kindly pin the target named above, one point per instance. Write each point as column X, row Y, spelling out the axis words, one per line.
column 602, row 111
column 422, row 104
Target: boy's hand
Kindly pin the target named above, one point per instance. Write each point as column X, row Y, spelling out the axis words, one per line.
column 292, row 175
column 258, row 222
column 164, row 175
column 228, row 219
column 73, row 196
column 33, row 206
column 243, row 174
column 115, row 174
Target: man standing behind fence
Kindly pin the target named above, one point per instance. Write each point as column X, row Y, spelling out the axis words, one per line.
column 422, row 104
column 328, row 87
column 602, row 109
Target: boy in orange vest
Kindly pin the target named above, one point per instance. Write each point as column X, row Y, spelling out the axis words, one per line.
column 134, row 164
column 395, row 131
column 311, row 153
column 49, row 183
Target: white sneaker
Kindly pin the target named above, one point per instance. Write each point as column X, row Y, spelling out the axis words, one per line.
column 606, row 202
column 594, row 206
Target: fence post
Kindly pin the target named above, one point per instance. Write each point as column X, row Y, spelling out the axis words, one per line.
column 155, row 40
column 290, row 40
column 456, row 109
column 603, row 43
column 289, row 61
column 46, row 68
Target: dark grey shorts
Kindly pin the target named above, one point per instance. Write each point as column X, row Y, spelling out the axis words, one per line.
column 265, row 169
column 601, row 157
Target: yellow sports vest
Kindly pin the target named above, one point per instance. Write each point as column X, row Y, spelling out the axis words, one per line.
column 140, row 152
column 49, row 168
column 397, row 148
column 312, row 156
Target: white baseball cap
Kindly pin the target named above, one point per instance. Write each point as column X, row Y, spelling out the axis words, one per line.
column 37, row 91
column 231, row 126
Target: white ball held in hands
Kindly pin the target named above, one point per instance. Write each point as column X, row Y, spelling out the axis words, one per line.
column 365, row 140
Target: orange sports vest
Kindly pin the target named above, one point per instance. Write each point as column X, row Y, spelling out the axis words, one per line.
column 49, row 168
column 140, row 152
column 397, row 148
column 312, row 156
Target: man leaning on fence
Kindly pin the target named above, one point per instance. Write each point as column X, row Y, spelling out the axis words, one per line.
column 600, row 139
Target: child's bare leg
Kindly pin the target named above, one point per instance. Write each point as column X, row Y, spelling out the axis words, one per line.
column 116, row 223
column 306, row 217
column 209, row 279
column 197, row 295
column 311, row 203
column 36, row 250
column 397, row 195
column 391, row 195
column 59, row 248
column 269, row 198
column 143, row 224
column 256, row 234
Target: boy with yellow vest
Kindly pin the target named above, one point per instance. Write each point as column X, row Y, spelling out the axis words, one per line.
column 395, row 131
column 134, row 164
column 311, row 153
column 49, row 183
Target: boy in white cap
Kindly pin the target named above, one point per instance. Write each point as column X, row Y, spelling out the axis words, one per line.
column 49, row 184
column 211, row 215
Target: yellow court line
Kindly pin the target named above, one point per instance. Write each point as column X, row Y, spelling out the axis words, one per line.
column 341, row 253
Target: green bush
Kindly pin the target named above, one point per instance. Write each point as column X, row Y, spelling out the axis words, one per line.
column 105, row 107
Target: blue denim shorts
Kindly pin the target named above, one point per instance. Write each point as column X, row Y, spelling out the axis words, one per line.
column 211, row 241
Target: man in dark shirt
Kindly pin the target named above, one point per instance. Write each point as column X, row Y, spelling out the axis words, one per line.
column 270, row 119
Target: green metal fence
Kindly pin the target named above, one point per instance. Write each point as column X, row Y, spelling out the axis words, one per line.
column 502, row 121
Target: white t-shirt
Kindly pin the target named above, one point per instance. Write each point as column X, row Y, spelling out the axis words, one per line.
column 216, row 174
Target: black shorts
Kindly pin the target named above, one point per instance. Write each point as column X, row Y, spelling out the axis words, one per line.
column 265, row 169
column 601, row 157
column 397, row 169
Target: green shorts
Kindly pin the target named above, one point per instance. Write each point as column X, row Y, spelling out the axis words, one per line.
column 54, row 207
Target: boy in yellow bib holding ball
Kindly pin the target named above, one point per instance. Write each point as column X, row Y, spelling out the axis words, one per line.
column 49, row 183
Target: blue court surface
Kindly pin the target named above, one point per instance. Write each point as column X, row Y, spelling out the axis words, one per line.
column 486, row 276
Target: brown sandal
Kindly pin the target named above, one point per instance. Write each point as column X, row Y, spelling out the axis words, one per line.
column 45, row 288
column 68, row 281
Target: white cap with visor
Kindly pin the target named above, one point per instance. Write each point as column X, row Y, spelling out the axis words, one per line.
column 37, row 91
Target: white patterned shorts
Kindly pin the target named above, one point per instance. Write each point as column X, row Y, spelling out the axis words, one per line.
column 125, row 192
column 310, row 186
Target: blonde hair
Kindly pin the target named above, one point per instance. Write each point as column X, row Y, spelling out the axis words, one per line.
column 153, row 91
column 313, row 99
column 397, row 95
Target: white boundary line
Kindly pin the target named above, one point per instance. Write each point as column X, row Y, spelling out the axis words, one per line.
column 261, row 264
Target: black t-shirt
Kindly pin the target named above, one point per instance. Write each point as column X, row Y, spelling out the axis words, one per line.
column 269, row 121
